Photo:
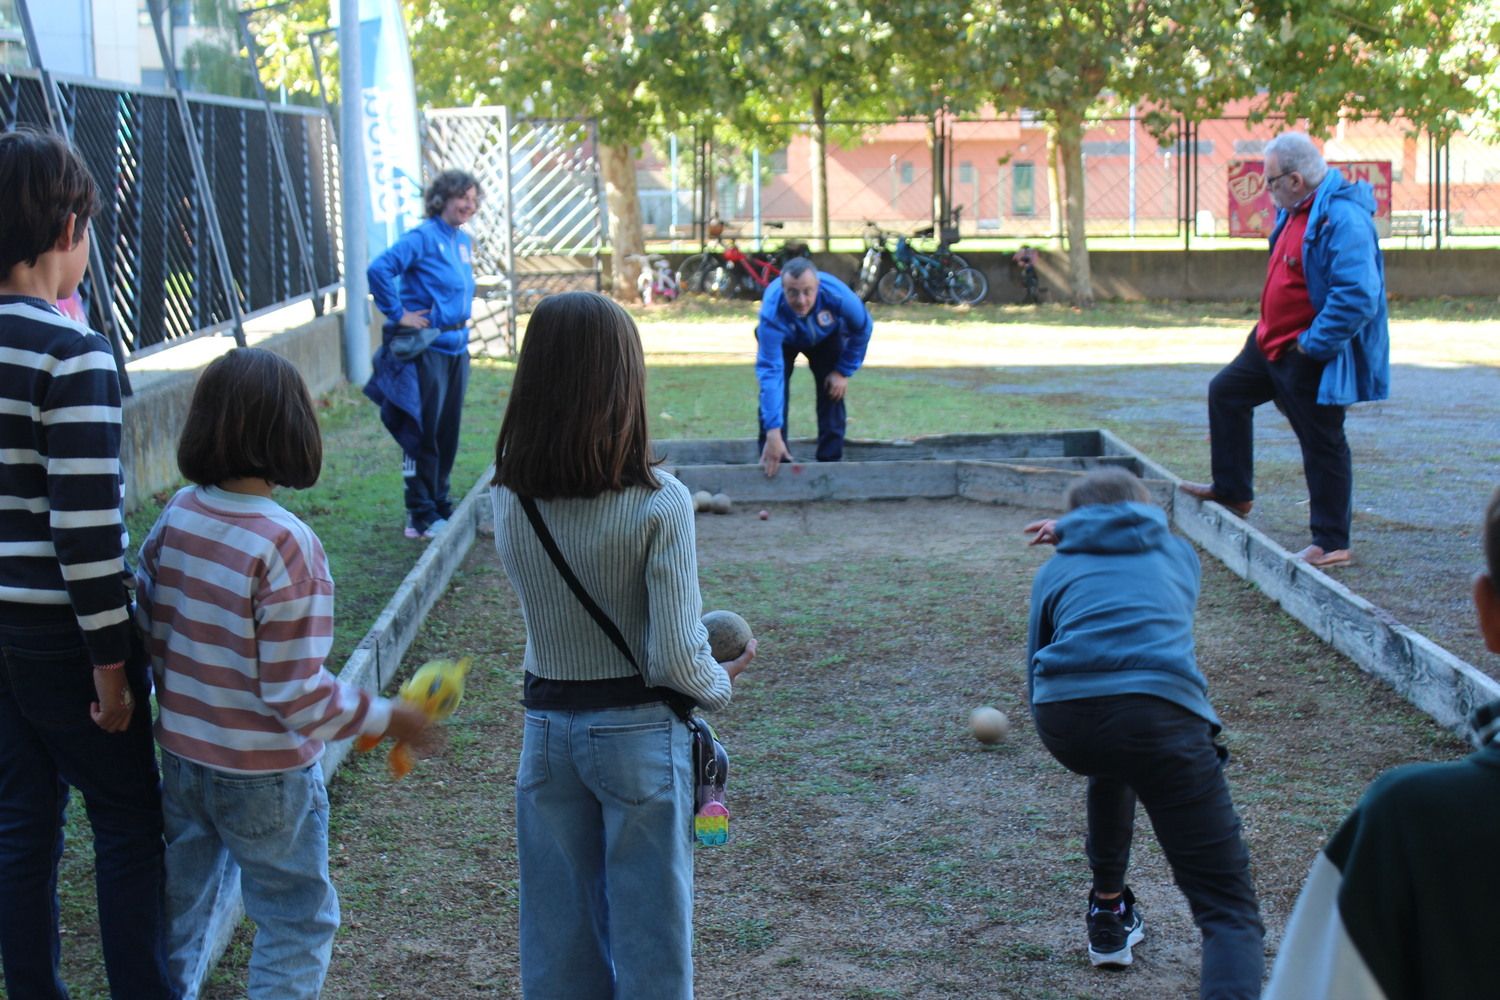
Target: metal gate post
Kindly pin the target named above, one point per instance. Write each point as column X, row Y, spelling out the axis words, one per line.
column 509, row 229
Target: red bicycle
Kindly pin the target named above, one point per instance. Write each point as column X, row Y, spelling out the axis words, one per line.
column 748, row 275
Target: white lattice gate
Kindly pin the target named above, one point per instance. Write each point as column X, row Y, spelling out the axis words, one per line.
column 541, row 227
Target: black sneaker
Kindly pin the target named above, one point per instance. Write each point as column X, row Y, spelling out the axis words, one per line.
column 1112, row 933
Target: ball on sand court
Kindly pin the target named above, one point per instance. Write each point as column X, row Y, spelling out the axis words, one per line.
column 728, row 634
column 702, row 499
column 720, row 504
column 989, row 725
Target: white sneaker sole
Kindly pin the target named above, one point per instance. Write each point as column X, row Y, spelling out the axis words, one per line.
column 1120, row 958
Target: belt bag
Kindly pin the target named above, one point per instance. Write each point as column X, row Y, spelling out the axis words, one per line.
column 710, row 759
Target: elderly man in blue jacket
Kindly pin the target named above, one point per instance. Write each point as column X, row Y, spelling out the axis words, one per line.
column 1322, row 343
column 804, row 312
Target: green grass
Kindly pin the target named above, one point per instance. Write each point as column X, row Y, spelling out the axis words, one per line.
column 356, row 508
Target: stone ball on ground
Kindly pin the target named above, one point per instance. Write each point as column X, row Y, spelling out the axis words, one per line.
column 989, row 725
column 720, row 504
column 728, row 634
column 702, row 499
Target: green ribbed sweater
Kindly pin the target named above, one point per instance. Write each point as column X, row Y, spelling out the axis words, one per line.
column 635, row 553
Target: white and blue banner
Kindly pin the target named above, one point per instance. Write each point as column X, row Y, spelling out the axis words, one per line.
column 388, row 112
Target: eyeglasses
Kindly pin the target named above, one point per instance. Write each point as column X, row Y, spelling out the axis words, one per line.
column 1271, row 181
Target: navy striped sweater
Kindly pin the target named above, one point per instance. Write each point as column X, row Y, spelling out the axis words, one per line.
column 62, row 533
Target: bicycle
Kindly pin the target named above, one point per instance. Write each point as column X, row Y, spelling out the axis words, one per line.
column 750, row 274
column 944, row 283
column 656, row 282
column 873, row 262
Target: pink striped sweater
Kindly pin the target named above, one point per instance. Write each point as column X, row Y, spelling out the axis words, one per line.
column 237, row 602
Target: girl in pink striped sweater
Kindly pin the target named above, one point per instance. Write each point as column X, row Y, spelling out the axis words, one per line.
column 237, row 602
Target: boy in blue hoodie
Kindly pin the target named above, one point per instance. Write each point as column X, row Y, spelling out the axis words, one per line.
column 1117, row 696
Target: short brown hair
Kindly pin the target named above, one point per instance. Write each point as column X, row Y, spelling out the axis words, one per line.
column 42, row 182
column 1110, row 484
column 445, row 186
column 1492, row 537
column 575, row 425
column 251, row 416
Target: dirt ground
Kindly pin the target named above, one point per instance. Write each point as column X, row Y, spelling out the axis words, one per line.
column 877, row 850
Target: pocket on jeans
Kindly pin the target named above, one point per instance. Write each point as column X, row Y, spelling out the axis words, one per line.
column 533, row 767
column 249, row 805
column 633, row 763
column 50, row 676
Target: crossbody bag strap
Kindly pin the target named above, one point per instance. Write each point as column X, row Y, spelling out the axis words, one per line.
column 597, row 613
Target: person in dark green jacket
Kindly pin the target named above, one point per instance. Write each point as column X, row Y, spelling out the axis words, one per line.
column 1395, row 907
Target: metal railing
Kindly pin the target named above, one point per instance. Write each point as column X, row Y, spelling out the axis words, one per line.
column 153, row 231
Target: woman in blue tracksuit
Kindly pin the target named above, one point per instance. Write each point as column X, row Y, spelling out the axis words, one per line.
column 424, row 286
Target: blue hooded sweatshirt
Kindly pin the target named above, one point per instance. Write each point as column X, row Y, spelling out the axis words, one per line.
column 1112, row 611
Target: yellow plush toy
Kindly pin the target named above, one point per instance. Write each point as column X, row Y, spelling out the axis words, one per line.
column 436, row 688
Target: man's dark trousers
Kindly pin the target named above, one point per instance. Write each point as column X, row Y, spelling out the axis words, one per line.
column 1136, row 746
column 823, row 358
column 1292, row 381
column 442, row 380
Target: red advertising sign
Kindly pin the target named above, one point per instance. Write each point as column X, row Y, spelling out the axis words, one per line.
column 1253, row 213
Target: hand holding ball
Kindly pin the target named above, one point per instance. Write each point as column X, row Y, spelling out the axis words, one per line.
column 989, row 725
column 728, row 634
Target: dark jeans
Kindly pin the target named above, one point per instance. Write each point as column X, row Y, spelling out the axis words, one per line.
column 442, row 380
column 48, row 743
column 823, row 358
column 1292, row 381
column 1137, row 746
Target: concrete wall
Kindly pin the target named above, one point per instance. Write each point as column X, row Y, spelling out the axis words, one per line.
column 154, row 414
column 1205, row 275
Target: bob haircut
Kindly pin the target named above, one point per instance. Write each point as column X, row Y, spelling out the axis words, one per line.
column 42, row 182
column 448, row 185
column 575, row 425
column 1105, row 486
column 251, row 417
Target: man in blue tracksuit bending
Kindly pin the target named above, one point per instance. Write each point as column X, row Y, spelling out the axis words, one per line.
column 816, row 315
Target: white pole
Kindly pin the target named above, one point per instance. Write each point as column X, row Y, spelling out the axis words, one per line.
column 672, row 228
column 355, row 199
column 1132, row 171
column 755, row 196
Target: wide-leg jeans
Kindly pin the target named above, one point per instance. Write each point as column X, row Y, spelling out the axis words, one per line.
column 271, row 830
column 604, row 817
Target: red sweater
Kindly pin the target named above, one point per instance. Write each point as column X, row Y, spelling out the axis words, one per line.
column 1285, row 309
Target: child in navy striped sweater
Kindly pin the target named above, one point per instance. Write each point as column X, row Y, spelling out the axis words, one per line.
column 74, row 692
column 237, row 602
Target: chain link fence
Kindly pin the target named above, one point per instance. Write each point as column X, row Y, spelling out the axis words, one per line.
column 153, row 229
column 995, row 175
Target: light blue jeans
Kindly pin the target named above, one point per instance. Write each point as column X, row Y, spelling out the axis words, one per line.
column 274, row 827
column 604, row 832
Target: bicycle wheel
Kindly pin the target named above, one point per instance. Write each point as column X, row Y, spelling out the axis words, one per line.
column 869, row 274
column 694, row 271
column 720, row 282
column 950, row 260
column 895, row 287
column 968, row 285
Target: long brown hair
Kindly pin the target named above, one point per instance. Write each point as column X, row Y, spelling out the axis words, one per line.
column 575, row 425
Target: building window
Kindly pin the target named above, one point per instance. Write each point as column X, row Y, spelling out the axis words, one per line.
column 906, row 172
column 1249, row 147
column 778, row 162
column 966, row 173
column 1023, row 189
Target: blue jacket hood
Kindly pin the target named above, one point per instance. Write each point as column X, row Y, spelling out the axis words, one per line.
column 1112, row 611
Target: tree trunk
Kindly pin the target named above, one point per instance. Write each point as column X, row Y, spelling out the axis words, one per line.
column 818, row 152
column 1054, row 193
column 617, row 169
column 1070, row 159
